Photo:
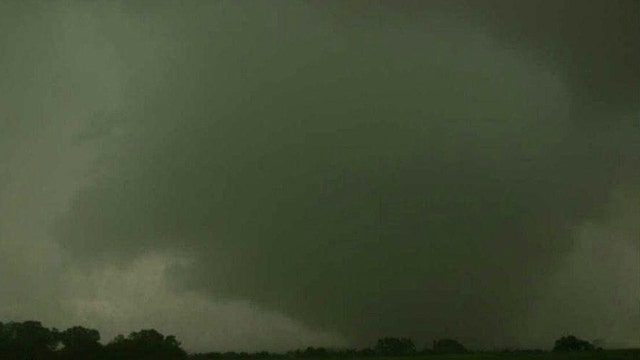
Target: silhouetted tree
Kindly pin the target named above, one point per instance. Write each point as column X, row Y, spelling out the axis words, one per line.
column 390, row 346
column 27, row 340
column 146, row 344
column 80, row 343
column 448, row 346
column 572, row 343
column 314, row 352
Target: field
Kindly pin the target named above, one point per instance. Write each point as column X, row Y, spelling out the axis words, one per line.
column 607, row 354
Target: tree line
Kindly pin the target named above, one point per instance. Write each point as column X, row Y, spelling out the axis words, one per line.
column 29, row 340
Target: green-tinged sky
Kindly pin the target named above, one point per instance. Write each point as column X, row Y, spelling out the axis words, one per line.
column 278, row 174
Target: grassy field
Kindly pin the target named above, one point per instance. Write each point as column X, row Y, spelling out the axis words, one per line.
column 607, row 354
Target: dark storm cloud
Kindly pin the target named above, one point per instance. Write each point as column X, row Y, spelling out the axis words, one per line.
column 593, row 44
column 364, row 171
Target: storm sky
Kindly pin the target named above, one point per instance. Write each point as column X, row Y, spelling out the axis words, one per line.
column 279, row 174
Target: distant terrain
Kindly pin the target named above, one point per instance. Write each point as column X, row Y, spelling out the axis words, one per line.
column 30, row 340
column 630, row 354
